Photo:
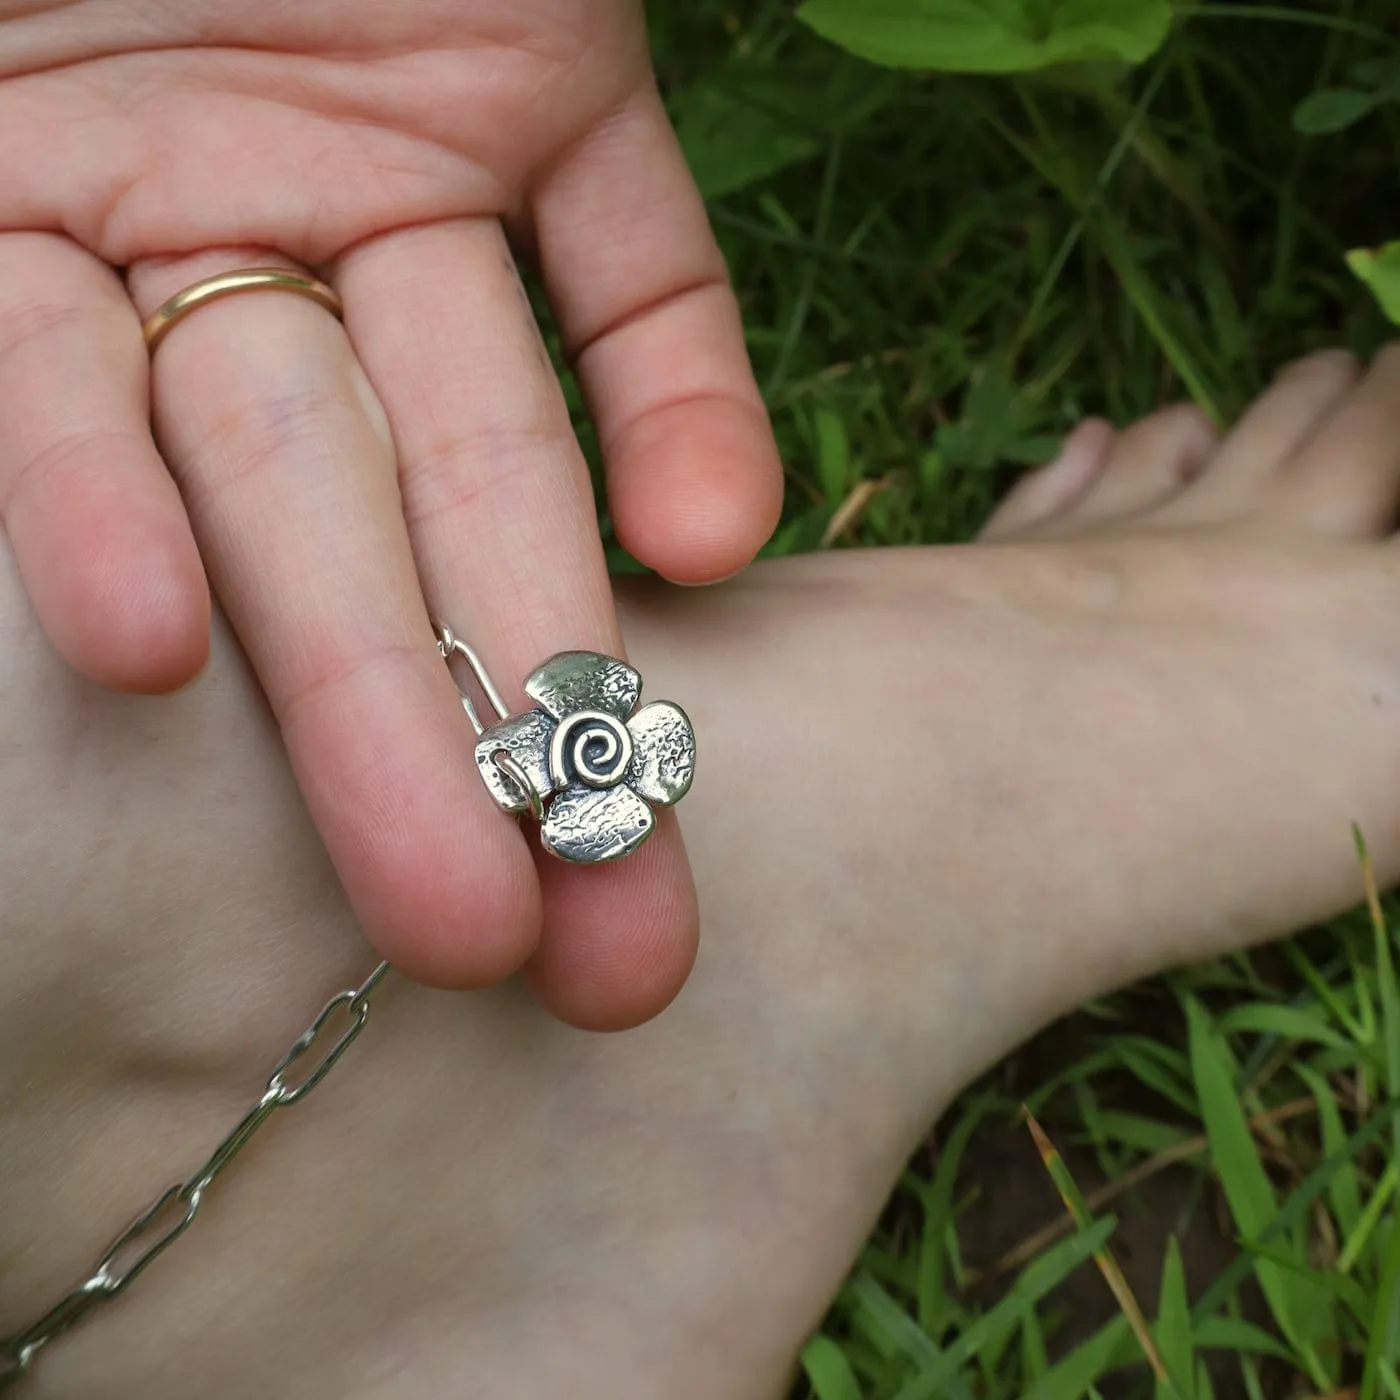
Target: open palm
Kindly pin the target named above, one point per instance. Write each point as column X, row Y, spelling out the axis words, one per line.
column 330, row 483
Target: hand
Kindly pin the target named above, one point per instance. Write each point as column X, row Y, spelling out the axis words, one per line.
column 383, row 145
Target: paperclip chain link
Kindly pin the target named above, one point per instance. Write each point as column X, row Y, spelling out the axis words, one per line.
column 174, row 1210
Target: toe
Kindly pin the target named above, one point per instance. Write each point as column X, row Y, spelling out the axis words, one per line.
column 1151, row 463
column 1344, row 478
column 1045, row 494
column 1245, row 472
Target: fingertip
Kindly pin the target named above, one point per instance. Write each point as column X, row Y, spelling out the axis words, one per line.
column 613, row 993
column 620, row 940
column 697, row 491
column 132, row 614
column 443, row 882
column 450, row 922
column 605, row 1007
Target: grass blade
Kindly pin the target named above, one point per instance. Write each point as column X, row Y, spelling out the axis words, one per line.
column 1174, row 1328
column 1242, row 1175
column 1038, row 1279
column 1074, row 1375
column 828, row 1372
column 938, row 1205
column 1107, row 1264
column 1344, row 1190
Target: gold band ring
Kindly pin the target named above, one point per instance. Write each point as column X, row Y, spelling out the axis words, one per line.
column 227, row 284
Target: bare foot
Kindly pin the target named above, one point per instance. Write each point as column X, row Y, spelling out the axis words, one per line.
column 944, row 795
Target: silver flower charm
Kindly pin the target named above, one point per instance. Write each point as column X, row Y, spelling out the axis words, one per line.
column 595, row 763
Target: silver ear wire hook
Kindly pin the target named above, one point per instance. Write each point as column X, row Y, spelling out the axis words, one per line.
column 450, row 645
column 587, row 763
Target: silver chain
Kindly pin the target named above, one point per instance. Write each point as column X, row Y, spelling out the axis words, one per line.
column 174, row 1210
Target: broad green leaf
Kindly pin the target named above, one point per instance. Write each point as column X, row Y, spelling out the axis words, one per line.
column 728, row 147
column 1173, row 1329
column 1381, row 75
column 828, row 1372
column 1379, row 269
column 991, row 36
column 752, row 118
column 1330, row 110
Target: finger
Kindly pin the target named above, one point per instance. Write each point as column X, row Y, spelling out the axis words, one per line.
column 1345, row 478
column 1042, row 495
column 98, row 529
column 621, row 940
column 501, row 514
column 648, row 316
column 270, row 428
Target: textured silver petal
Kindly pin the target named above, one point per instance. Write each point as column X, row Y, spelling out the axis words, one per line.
column 589, row 824
column 526, row 739
column 663, row 761
column 584, row 680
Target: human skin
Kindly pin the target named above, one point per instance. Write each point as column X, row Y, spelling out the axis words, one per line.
column 338, row 485
column 943, row 796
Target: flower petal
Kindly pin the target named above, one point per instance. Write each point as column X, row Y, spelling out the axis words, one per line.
column 663, row 761
column 525, row 738
column 592, row 824
column 584, row 680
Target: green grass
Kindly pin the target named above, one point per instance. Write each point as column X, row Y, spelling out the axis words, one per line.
column 939, row 275
column 943, row 273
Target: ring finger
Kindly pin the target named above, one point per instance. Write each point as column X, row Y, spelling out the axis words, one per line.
column 287, row 470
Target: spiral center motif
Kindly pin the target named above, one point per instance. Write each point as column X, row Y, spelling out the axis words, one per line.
column 592, row 747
